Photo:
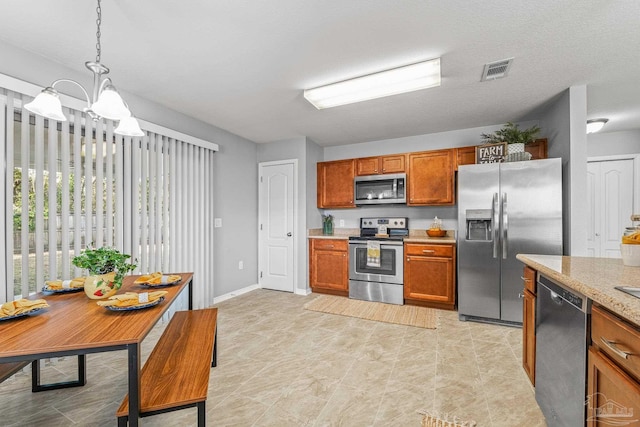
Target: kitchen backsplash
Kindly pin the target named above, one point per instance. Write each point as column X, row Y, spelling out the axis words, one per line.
column 419, row 217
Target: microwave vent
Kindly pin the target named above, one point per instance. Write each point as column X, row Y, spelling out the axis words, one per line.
column 496, row 70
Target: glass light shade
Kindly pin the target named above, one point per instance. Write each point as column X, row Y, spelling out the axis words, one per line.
column 129, row 127
column 409, row 78
column 110, row 105
column 47, row 104
column 595, row 125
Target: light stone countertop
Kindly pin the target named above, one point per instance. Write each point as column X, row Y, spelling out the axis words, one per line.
column 338, row 233
column 593, row 277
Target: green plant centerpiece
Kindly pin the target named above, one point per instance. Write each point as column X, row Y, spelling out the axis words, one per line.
column 106, row 267
column 511, row 134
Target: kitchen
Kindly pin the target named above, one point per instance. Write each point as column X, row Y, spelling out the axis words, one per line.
column 237, row 204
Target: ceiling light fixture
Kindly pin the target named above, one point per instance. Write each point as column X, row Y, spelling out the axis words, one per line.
column 408, row 78
column 594, row 125
column 105, row 101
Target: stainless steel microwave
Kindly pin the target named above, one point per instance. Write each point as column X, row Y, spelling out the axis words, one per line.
column 380, row 189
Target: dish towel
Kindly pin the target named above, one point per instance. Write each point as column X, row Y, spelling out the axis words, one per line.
column 373, row 253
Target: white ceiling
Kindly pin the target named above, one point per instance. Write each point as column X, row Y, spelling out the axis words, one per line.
column 241, row 65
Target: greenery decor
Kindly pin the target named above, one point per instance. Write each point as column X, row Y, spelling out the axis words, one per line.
column 327, row 224
column 104, row 260
column 511, row 134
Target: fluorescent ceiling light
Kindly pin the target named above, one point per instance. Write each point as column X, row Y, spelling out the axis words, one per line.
column 418, row 76
column 595, row 125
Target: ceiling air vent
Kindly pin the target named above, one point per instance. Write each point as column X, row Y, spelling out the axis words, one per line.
column 496, row 70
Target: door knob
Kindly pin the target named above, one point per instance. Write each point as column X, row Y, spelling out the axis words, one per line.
column 289, row 234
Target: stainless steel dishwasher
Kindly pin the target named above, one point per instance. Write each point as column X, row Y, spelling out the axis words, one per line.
column 561, row 353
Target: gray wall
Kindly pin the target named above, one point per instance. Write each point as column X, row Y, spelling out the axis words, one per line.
column 564, row 123
column 236, row 175
column 613, row 143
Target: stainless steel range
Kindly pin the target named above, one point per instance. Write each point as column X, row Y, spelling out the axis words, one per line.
column 376, row 257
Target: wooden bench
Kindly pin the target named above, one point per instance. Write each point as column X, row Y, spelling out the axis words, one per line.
column 176, row 374
column 10, row 368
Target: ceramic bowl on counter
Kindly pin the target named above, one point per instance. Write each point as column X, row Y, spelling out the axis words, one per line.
column 433, row 232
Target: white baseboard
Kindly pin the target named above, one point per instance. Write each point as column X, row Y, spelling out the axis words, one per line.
column 236, row 293
column 303, row 292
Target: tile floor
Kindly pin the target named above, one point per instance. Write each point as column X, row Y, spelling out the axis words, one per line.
column 280, row 365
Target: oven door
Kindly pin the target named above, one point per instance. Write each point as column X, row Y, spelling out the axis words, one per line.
column 390, row 269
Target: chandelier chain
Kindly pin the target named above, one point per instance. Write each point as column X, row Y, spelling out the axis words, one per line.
column 98, row 22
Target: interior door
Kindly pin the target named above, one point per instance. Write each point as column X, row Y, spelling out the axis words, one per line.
column 610, row 202
column 277, row 221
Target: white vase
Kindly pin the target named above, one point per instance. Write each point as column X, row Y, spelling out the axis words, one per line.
column 518, row 147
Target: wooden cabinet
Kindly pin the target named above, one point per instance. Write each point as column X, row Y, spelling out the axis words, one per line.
column 537, row 148
column 613, row 371
column 429, row 275
column 465, row 156
column 335, row 184
column 431, row 179
column 381, row 165
column 529, row 323
column 329, row 266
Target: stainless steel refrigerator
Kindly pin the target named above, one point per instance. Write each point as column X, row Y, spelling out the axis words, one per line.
column 504, row 209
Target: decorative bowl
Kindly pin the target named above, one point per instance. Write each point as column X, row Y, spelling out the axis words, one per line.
column 436, row 232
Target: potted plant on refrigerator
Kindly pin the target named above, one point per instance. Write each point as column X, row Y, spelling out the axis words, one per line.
column 515, row 137
column 106, row 267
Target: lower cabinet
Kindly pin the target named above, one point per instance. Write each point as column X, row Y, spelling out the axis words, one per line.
column 529, row 324
column 329, row 266
column 613, row 375
column 429, row 275
column 613, row 397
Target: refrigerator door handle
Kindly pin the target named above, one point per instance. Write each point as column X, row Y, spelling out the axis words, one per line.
column 505, row 226
column 495, row 224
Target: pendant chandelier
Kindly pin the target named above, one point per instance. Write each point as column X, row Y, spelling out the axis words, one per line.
column 104, row 102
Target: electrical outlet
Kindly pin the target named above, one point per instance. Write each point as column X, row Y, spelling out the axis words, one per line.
column 240, row 265
column 217, row 222
column 341, row 223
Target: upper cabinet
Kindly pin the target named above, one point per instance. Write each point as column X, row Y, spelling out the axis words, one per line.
column 431, row 178
column 537, row 148
column 380, row 165
column 465, row 155
column 335, row 184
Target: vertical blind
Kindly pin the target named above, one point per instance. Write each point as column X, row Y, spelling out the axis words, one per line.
column 76, row 184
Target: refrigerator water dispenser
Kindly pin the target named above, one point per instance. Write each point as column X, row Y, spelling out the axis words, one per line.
column 478, row 224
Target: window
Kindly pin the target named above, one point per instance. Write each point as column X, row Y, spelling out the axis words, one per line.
column 75, row 184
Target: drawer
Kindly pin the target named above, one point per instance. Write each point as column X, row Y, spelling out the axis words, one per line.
column 616, row 338
column 429, row 250
column 329, row 244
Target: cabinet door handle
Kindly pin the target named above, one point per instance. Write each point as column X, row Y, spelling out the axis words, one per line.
column 611, row 345
column 408, row 259
column 525, row 279
column 520, row 295
column 329, row 246
column 428, row 251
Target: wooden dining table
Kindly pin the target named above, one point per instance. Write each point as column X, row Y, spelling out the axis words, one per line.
column 73, row 324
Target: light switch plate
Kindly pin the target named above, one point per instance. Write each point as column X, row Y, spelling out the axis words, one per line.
column 217, row 222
